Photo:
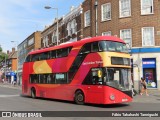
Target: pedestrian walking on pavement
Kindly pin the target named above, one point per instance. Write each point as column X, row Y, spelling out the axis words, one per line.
column 15, row 81
column 144, row 87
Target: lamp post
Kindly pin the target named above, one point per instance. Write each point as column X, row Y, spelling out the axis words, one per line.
column 48, row 7
column 96, row 7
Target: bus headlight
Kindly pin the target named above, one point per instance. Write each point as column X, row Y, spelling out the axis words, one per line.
column 112, row 97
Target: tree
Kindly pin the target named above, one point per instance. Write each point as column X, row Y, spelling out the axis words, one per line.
column 0, row 49
column 2, row 54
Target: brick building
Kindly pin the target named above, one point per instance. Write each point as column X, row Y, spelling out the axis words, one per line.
column 32, row 42
column 12, row 60
column 137, row 23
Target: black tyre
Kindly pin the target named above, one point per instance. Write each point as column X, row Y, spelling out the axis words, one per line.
column 79, row 97
column 33, row 93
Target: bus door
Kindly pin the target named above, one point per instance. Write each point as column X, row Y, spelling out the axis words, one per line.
column 93, row 84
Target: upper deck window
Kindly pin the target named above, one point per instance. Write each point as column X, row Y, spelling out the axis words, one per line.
column 35, row 57
column 44, row 56
column 63, row 52
column 28, row 58
column 86, row 49
column 103, row 46
column 112, row 46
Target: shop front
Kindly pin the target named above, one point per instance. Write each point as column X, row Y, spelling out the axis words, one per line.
column 149, row 72
column 11, row 77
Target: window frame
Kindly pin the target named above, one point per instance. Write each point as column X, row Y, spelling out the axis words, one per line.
column 68, row 51
column 48, row 55
column 85, row 49
column 152, row 5
column 153, row 33
column 87, row 23
column 130, row 44
column 73, row 26
column 54, row 37
column 107, row 33
column 102, row 11
column 121, row 11
column 69, row 29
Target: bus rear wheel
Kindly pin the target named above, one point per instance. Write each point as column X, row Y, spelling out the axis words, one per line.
column 33, row 93
column 79, row 97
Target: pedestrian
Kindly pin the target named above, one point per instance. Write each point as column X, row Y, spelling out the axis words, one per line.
column 143, row 87
column 15, row 81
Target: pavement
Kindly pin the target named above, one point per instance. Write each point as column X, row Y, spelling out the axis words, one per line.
column 9, row 85
column 154, row 95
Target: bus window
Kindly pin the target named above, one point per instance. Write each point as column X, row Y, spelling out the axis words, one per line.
column 60, row 78
column 33, row 78
column 41, row 78
column 92, row 78
column 53, row 54
column 121, row 47
column 28, row 58
column 94, row 47
column 48, row 78
column 53, row 78
column 97, row 76
column 112, row 46
column 86, row 49
column 103, row 46
column 35, row 57
column 44, row 56
column 63, row 52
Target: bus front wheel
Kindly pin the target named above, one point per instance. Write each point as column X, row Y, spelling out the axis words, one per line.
column 33, row 93
column 79, row 97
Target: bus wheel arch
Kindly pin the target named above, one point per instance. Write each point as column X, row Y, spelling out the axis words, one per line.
column 79, row 97
column 33, row 92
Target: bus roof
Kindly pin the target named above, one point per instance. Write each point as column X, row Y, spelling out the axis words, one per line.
column 81, row 42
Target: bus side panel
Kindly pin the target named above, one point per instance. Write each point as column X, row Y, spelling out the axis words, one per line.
column 88, row 63
column 27, row 70
column 94, row 94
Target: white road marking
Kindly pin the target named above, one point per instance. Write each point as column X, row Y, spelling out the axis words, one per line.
column 9, row 95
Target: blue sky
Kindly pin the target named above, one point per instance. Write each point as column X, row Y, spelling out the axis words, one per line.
column 20, row 18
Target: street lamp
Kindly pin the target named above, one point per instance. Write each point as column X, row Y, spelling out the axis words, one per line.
column 48, row 7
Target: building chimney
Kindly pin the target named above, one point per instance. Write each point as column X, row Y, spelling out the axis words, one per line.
column 13, row 49
column 7, row 51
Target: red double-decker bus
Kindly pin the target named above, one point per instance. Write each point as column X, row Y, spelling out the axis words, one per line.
column 94, row 70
